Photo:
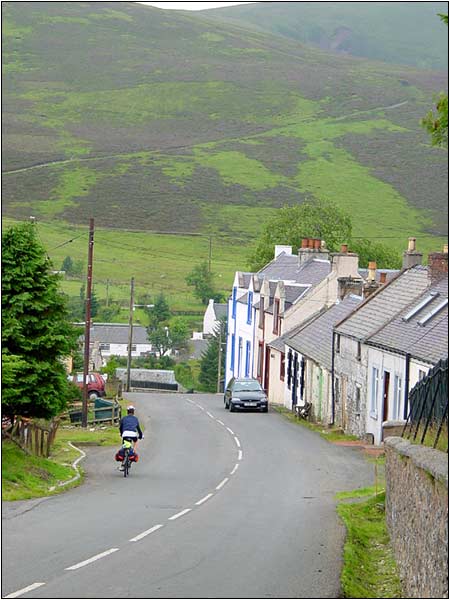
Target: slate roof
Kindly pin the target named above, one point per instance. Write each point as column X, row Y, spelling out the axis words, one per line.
column 288, row 268
column 220, row 310
column 244, row 279
column 316, row 338
column 427, row 341
column 385, row 303
column 116, row 333
column 390, row 273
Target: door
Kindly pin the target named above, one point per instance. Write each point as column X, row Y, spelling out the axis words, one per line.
column 267, row 370
column 294, row 380
column 387, row 377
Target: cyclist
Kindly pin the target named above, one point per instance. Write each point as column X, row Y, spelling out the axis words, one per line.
column 129, row 427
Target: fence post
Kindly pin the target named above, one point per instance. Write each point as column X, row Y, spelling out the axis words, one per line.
column 36, row 441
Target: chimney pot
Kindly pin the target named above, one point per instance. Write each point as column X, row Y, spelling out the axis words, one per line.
column 383, row 278
column 304, row 242
column 316, row 244
column 371, row 276
column 411, row 244
column 310, row 243
column 344, row 248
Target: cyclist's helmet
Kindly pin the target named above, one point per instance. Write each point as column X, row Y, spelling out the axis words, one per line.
column 130, row 408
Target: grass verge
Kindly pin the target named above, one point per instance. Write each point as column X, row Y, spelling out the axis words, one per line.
column 369, row 569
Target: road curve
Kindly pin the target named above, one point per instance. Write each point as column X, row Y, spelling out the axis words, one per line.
column 221, row 505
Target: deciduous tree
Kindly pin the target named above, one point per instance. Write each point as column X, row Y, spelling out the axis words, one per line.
column 202, row 280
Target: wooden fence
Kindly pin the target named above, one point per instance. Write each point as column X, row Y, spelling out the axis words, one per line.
column 33, row 437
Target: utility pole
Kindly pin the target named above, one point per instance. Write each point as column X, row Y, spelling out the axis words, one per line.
column 87, row 325
column 130, row 335
column 210, row 253
column 107, row 293
column 220, row 358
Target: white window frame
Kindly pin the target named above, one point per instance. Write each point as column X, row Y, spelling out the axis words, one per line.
column 374, row 391
column 398, row 391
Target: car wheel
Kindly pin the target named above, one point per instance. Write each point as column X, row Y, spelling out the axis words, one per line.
column 231, row 407
column 93, row 395
column 265, row 409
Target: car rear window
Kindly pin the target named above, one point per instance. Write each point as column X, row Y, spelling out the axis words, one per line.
column 246, row 386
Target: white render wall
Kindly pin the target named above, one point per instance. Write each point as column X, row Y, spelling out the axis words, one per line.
column 121, row 350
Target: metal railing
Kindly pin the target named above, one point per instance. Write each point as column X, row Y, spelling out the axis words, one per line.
column 427, row 422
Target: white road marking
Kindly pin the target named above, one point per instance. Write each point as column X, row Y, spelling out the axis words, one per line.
column 91, row 560
column 240, row 455
column 29, row 588
column 180, row 514
column 237, row 441
column 210, row 415
column 145, row 533
column 204, row 499
column 222, row 483
column 221, row 422
column 230, row 430
column 236, row 466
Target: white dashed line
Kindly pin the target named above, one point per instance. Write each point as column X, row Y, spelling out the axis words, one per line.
column 230, row 430
column 210, row 415
column 180, row 514
column 145, row 533
column 204, row 499
column 240, row 455
column 29, row 588
column 237, row 442
column 236, row 466
column 222, row 483
column 221, row 422
column 91, row 560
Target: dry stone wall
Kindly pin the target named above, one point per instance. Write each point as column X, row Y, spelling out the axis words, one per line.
column 417, row 516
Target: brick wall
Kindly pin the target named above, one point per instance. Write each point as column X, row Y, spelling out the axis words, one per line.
column 417, row 516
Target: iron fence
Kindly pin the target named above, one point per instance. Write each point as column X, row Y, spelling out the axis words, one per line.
column 427, row 422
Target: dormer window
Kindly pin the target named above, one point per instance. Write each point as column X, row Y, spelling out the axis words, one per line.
column 276, row 316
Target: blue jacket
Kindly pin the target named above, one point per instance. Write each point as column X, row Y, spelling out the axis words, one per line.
column 130, row 423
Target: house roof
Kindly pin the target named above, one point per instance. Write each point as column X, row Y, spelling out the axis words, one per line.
column 385, row 303
column 421, row 329
column 316, row 338
column 116, row 333
column 390, row 273
column 288, row 268
column 220, row 310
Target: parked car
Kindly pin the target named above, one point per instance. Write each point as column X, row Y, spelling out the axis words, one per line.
column 96, row 384
column 245, row 393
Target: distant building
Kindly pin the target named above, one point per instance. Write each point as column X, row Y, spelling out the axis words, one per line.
column 112, row 340
column 213, row 314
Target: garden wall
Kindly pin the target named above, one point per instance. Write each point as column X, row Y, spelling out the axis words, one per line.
column 417, row 516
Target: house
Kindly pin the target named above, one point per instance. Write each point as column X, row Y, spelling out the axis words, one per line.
column 309, row 360
column 402, row 352
column 370, row 367
column 213, row 314
column 112, row 340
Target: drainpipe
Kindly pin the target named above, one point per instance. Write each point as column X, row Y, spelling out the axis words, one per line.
column 332, row 382
column 405, row 403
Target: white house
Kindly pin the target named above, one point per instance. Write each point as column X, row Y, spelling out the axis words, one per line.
column 213, row 314
column 112, row 340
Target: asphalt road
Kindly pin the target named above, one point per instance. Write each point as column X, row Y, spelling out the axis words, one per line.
column 221, row 505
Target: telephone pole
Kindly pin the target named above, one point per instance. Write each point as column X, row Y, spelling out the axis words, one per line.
column 130, row 334
column 87, row 325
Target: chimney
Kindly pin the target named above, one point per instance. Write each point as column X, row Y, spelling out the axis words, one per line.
column 383, row 278
column 305, row 252
column 372, row 271
column 438, row 264
column 411, row 257
column 344, row 248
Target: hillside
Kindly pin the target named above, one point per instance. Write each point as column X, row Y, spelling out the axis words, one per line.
column 406, row 33
column 154, row 120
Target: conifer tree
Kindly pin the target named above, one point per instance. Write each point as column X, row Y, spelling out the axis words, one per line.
column 210, row 357
column 36, row 333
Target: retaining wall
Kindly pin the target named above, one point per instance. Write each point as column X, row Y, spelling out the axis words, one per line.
column 417, row 516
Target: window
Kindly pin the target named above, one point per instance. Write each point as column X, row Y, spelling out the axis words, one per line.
column 261, row 313
column 233, row 310
column 338, row 343
column 249, row 308
column 247, row 359
column 358, row 351
column 282, row 366
column 374, row 391
column 421, row 374
column 105, row 346
column 397, row 398
column 133, row 347
column 276, row 313
column 232, row 352
column 239, row 357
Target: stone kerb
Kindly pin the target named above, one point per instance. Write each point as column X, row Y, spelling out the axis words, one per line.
column 417, row 516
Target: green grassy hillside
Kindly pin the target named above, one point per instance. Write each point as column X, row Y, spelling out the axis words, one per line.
column 153, row 120
column 406, row 33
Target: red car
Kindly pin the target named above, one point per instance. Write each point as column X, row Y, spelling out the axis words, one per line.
column 96, row 384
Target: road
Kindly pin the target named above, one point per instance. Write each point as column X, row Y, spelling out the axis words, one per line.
column 221, row 505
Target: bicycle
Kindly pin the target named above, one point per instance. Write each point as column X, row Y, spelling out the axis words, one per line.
column 126, row 463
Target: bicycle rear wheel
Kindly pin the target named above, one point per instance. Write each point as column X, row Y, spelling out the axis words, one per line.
column 126, row 463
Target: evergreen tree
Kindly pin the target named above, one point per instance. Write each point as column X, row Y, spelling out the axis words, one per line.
column 36, row 333
column 67, row 265
column 209, row 360
column 201, row 279
column 159, row 313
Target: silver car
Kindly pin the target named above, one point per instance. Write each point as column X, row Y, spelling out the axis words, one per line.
column 245, row 393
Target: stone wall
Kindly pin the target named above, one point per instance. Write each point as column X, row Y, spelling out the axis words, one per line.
column 417, row 516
